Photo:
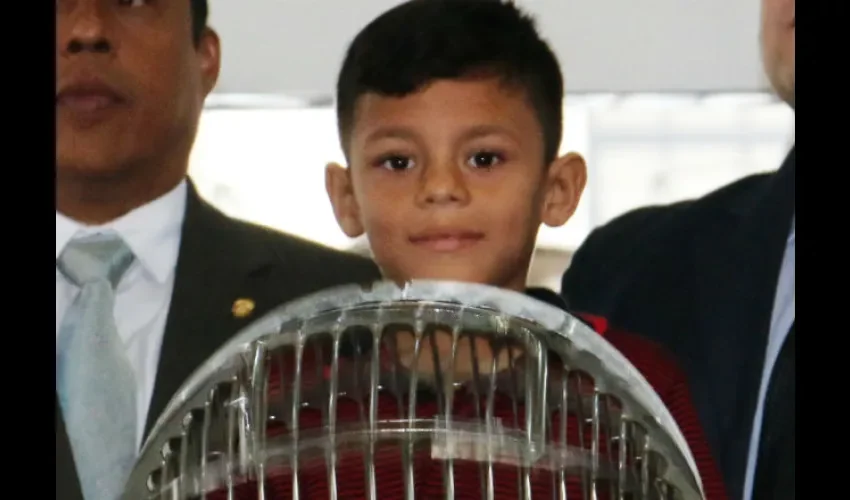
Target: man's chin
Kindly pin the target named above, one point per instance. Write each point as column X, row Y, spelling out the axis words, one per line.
column 71, row 167
column 788, row 95
column 783, row 85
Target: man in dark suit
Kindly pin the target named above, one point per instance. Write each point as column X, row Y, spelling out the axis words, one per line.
column 131, row 81
column 714, row 280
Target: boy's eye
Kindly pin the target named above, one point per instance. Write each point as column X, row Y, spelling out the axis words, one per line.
column 485, row 159
column 396, row 162
column 132, row 3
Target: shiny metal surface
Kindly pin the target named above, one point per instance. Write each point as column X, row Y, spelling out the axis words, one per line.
column 433, row 390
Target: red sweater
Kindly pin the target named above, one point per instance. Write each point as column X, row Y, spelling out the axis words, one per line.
column 657, row 366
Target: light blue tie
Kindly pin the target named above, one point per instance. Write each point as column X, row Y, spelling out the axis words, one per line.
column 94, row 379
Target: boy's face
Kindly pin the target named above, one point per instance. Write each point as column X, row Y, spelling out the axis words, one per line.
column 450, row 183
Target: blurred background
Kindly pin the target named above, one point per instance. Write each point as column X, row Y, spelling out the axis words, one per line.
column 666, row 100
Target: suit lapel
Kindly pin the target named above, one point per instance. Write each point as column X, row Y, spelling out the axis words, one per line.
column 213, row 265
column 216, row 265
column 738, row 259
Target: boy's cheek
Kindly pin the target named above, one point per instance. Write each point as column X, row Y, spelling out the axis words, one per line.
column 387, row 237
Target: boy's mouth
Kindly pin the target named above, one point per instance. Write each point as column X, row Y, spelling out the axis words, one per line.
column 447, row 241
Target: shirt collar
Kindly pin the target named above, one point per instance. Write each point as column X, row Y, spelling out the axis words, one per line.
column 152, row 231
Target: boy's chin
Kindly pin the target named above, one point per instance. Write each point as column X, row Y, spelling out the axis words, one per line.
column 456, row 273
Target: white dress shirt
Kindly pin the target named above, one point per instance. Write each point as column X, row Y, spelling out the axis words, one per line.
column 784, row 313
column 143, row 296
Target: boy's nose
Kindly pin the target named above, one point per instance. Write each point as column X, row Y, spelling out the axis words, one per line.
column 442, row 185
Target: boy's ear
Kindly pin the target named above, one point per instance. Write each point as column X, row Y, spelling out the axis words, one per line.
column 565, row 183
column 341, row 193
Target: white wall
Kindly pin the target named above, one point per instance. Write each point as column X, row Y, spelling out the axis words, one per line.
column 294, row 47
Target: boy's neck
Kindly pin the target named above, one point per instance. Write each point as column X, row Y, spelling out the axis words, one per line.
column 518, row 287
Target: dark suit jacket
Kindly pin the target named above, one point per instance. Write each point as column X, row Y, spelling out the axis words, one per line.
column 700, row 278
column 222, row 259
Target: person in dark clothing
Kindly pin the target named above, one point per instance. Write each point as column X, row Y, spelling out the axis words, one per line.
column 130, row 85
column 713, row 280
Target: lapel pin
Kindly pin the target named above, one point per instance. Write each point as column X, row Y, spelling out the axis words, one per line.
column 242, row 308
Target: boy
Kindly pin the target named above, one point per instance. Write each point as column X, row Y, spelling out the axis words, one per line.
column 450, row 120
column 449, row 116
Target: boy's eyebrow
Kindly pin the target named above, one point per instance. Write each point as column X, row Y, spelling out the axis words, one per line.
column 485, row 130
column 470, row 133
column 390, row 133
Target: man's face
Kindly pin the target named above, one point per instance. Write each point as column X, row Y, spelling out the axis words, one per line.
column 448, row 183
column 778, row 28
column 130, row 85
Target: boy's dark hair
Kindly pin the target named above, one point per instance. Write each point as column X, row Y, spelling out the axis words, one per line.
column 420, row 41
column 200, row 12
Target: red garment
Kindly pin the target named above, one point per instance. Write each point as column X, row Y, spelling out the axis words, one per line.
column 665, row 376
column 651, row 360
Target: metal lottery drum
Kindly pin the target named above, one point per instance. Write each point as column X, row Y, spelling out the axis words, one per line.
column 432, row 390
